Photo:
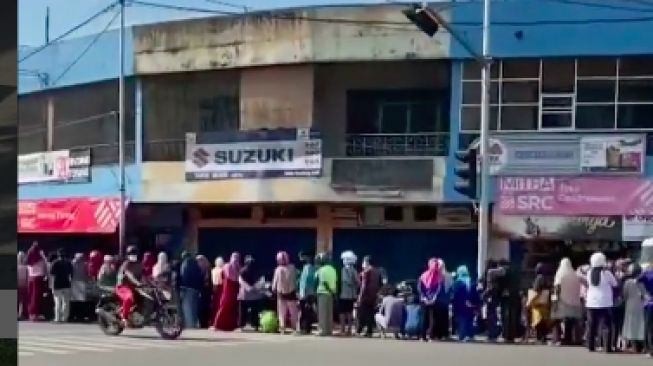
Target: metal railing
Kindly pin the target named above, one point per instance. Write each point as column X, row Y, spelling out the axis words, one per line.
column 395, row 144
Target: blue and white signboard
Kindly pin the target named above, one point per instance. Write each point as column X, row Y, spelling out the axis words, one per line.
column 253, row 154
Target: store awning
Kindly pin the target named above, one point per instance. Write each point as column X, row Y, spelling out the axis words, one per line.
column 80, row 215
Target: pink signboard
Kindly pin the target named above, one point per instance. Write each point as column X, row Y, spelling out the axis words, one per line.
column 574, row 196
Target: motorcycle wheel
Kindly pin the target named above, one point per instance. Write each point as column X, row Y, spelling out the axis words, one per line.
column 110, row 328
column 169, row 324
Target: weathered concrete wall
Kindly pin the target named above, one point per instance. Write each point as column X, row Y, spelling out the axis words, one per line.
column 337, row 33
column 332, row 82
column 276, row 97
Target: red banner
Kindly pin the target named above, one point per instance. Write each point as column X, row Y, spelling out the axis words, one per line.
column 69, row 215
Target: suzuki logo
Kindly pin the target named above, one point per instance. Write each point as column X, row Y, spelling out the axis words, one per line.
column 200, row 157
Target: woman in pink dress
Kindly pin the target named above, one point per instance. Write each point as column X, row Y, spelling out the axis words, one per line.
column 227, row 316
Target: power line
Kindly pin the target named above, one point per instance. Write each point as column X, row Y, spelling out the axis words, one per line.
column 607, row 6
column 88, row 47
column 69, row 123
column 69, row 32
column 409, row 26
column 228, row 4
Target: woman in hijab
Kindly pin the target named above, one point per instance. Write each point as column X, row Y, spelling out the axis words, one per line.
column 284, row 285
column 600, row 301
column 95, row 261
column 78, row 306
column 442, row 303
column 429, row 286
column 205, row 295
column 539, row 302
column 108, row 275
column 162, row 272
column 567, row 305
column 633, row 326
column 216, row 281
column 349, row 287
column 23, row 293
column 250, row 295
column 465, row 301
column 149, row 260
column 36, row 280
column 227, row 317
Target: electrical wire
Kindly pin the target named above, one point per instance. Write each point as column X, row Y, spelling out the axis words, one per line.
column 605, row 5
column 37, row 130
column 230, row 5
column 88, row 47
column 69, row 32
column 409, row 26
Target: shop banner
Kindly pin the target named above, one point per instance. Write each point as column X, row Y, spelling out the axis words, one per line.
column 559, row 227
column 519, row 154
column 637, row 228
column 65, row 166
column 71, row 215
column 574, row 196
column 255, row 154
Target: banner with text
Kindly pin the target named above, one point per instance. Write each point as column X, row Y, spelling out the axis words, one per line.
column 559, row 227
column 574, row 196
column 254, row 154
column 64, row 166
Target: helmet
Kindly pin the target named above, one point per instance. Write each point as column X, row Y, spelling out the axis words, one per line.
column 132, row 250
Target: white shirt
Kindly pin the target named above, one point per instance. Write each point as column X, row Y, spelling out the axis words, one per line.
column 600, row 296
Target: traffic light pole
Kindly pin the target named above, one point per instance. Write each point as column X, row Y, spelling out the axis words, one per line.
column 484, row 200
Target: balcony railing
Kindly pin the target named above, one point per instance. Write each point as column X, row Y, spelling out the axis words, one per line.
column 387, row 144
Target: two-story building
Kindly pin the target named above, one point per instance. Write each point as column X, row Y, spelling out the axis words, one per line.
column 371, row 111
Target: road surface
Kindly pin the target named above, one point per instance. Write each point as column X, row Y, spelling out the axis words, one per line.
column 42, row 344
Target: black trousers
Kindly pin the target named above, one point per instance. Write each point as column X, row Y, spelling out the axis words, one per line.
column 442, row 321
column 600, row 325
column 510, row 318
column 248, row 313
column 365, row 314
column 428, row 321
column 307, row 314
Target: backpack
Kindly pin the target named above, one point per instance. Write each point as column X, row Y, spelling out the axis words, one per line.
column 269, row 322
column 413, row 325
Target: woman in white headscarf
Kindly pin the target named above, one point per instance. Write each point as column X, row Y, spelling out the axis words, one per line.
column 162, row 271
column 600, row 301
column 349, row 286
column 216, row 280
column 567, row 308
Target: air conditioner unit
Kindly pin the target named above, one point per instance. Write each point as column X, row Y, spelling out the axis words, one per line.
column 373, row 216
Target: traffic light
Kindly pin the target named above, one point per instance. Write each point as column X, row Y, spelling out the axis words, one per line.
column 421, row 17
column 466, row 172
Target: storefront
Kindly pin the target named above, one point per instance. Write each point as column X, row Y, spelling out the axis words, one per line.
column 570, row 195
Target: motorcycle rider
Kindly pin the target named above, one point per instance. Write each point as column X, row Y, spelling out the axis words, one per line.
column 130, row 276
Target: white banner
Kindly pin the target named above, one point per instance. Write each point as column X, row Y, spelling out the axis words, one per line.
column 254, row 159
column 54, row 166
column 637, row 228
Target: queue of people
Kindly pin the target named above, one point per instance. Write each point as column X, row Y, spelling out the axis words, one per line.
column 607, row 305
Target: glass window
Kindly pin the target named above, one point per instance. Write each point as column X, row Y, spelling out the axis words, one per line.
column 520, row 92
column 595, row 116
column 466, row 139
column 521, row 69
column 519, row 117
column 471, row 118
column 472, row 92
column 636, row 66
column 597, row 67
column 640, row 90
column 558, row 76
column 424, row 117
column 635, row 116
column 593, row 91
column 472, row 71
column 394, row 118
column 556, row 120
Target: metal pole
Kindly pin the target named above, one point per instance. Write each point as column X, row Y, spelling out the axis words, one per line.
column 121, row 131
column 484, row 201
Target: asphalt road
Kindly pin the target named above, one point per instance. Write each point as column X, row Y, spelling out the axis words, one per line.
column 84, row 345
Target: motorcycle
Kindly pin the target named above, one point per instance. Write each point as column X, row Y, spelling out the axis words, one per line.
column 155, row 306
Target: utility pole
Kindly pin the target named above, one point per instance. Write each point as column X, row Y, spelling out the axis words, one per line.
column 47, row 25
column 484, row 200
column 121, row 132
column 429, row 21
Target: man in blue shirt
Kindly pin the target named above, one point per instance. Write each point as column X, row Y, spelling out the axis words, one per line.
column 307, row 287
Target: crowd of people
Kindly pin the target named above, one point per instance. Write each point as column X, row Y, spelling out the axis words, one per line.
column 605, row 304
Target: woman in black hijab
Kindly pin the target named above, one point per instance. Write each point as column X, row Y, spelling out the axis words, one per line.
column 250, row 296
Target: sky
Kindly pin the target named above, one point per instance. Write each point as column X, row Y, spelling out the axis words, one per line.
column 65, row 14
